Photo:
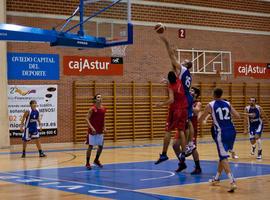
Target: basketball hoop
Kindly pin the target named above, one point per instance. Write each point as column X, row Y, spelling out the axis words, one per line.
column 223, row 77
column 119, row 51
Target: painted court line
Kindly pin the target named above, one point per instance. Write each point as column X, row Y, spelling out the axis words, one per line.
column 115, row 147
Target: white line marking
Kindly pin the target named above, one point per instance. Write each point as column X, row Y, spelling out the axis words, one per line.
column 141, row 170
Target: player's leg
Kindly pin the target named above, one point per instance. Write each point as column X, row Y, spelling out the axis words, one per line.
column 88, row 155
column 195, row 154
column 25, row 138
column 258, row 134
column 24, row 148
column 182, row 141
column 227, row 170
column 167, row 139
column 215, row 180
column 100, row 142
column 252, row 142
column 38, row 144
column 166, row 142
column 196, row 159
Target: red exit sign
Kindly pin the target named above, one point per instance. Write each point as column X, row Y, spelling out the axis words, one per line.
column 182, row 33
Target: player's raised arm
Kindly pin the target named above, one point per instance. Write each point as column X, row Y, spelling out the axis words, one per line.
column 175, row 63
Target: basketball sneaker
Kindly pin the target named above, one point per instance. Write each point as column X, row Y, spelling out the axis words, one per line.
column 253, row 148
column 23, row 155
column 161, row 159
column 233, row 187
column 88, row 166
column 259, row 154
column 189, row 149
column 97, row 163
column 234, row 156
column 196, row 171
column 181, row 167
column 214, row 181
column 42, row 155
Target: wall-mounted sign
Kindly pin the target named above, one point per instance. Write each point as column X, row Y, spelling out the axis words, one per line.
column 83, row 65
column 253, row 70
column 28, row 66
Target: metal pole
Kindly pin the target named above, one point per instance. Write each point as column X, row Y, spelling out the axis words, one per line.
column 81, row 31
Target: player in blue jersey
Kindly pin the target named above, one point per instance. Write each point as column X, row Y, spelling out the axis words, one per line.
column 29, row 127
column 182, row 70
column 254, row 117
column 223, row 133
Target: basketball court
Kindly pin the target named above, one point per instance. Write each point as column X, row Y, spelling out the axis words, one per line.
column 63, row 53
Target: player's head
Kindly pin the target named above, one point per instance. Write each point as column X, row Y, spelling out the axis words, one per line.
column 187, row 64
column 172, row 77
column 97, row 98
column 195, row 92
column 252, row 101
column 33, row 104
column 217, row 93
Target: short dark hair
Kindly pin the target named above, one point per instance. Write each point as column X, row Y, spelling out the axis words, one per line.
column 32, row 102
column 197, row 91
column 253, row 98
column 95, row 97
column 218, row 92
column 188, row 64
column 172, row 77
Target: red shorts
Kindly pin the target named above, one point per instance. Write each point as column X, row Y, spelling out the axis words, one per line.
column 176, row 119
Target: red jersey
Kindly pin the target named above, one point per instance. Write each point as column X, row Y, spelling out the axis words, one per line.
column 180, row 100
column 97, row 119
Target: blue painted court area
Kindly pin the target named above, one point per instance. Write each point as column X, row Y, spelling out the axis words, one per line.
column 120, row 181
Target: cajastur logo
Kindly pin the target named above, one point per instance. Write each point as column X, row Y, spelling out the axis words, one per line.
column 250, row 69
column 86, row 64
column 253, row 70
column 82, row 65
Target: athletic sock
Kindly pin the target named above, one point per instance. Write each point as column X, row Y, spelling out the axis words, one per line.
column 230, row 176
column 40, row 151
column 164, row 153
column 217, row 176
column 197, row 164
column 87, row 160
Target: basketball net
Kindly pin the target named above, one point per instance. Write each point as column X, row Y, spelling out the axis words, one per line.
column 223, row 77
column 119, row 51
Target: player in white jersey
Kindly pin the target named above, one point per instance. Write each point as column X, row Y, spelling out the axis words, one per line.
column 254, row 118
column 224, row 133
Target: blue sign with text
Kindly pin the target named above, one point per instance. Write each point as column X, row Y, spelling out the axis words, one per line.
column 28, row 66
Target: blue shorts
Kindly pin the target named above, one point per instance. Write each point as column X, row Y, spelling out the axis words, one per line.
column 224, row 140
column 30, row 133
column 255, row 129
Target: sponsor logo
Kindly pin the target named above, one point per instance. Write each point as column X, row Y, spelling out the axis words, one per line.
column 253, row 70
column 81, row 65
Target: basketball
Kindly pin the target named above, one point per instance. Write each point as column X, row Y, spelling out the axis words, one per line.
column 160, row 28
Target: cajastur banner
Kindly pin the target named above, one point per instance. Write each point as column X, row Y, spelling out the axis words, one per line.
column 252, row 70
column 83, row 65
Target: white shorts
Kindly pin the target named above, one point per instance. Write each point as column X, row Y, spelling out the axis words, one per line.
column 95, row 140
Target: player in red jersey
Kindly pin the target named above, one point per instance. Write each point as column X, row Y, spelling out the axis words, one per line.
column 177, row 118
column 96, row 128
column 197, row 105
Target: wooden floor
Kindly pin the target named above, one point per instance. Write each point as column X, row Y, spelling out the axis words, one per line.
column 254, row 186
